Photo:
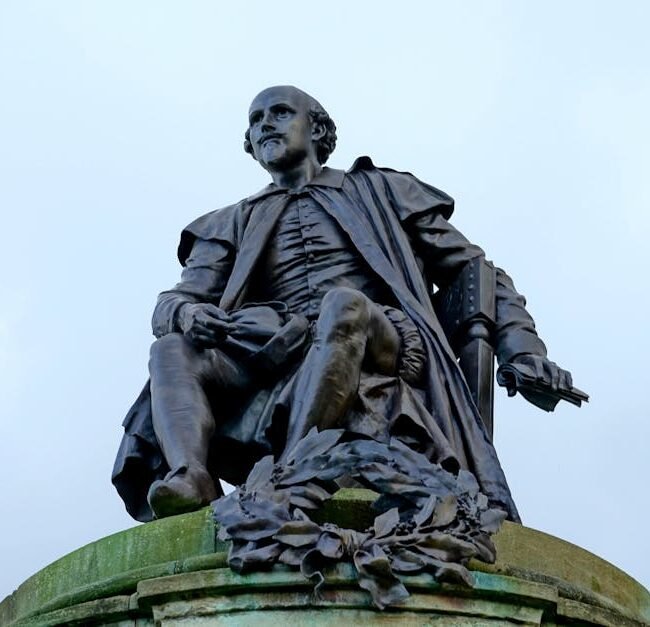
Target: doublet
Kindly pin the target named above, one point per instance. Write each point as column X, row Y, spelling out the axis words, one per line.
column 307, row 255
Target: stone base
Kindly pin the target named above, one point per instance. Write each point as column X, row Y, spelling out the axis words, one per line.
column 174, row 572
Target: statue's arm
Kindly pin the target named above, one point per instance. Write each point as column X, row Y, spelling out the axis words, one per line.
column 445, row 251
column 203, row 280
column 515, row 332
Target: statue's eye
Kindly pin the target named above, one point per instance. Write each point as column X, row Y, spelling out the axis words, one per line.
column 282, row 112
column 255, row 118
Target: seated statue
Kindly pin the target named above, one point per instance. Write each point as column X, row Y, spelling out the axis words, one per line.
column 308, row 304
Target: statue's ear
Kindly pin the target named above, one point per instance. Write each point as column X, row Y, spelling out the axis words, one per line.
column 318, row 131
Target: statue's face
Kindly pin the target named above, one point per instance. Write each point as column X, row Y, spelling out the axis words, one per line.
column 281, row 132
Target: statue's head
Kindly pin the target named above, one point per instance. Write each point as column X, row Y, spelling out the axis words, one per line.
column 285, row 126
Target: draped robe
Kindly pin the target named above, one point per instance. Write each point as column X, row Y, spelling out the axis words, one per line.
column 399, row 226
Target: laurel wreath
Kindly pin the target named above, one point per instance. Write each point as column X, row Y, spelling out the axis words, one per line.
column 430, row 520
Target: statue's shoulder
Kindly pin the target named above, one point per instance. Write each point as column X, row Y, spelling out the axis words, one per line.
column 222, row 225
column 406, row 193
column 212, row 224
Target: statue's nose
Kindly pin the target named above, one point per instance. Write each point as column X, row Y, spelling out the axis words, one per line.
column 267, row 122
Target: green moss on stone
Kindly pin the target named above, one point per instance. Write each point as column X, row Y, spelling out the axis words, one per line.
column 114, row 564
column 350, row 508
column 181, row 556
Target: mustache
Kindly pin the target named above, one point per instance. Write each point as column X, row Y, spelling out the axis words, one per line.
column 270, row 136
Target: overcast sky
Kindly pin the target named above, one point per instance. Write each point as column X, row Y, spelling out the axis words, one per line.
column 120, row 122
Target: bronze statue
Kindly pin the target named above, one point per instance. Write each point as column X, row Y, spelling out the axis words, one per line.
column 307, row 305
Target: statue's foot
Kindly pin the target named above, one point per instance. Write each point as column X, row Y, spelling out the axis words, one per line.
column 182, row 491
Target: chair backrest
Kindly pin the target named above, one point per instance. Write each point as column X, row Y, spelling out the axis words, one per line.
column 466, row 309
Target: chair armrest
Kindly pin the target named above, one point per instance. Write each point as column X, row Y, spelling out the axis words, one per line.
column 466, row 310
column 469, row 297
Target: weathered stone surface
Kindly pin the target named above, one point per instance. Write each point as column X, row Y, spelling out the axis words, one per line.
column 299, row 609
column 320, row 618
column 114, row 565
column 225, row 593
column 174, row 571
column 113, row 611
column 577, row 573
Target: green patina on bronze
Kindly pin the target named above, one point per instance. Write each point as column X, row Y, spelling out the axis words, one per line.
column 123, row 576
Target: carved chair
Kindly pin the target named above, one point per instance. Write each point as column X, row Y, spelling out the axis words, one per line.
column 466, row 309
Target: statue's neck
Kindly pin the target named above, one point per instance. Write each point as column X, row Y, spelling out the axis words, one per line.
column 297, row 177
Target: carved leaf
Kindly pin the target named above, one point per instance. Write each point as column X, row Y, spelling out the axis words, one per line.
column 300, row 501
column 424, row 515
column 293, row 556
column 249, row 557
column 491, row 520
column 298, row 514
column 375, row 576
column 317, row 492
column 386, row 479
column 305, row 471
column 298, row 533
column 260, row 475
column 253, row 529
column 309, row 496
column 314, row 443
column 445, row 512
column 485, row 547
column 226, row 506
column 446, row 547
column 330, row 545
column 334, row 471
column 454, row 573
column 386, row 523
column 406, row 561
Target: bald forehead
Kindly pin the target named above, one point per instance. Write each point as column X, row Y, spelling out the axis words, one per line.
column 282, row 93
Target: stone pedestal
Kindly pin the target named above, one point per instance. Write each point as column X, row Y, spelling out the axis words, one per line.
column 174, row 572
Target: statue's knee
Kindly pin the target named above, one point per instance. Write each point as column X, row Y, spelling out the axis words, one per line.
column 345, row 300
column 168, row 348
column 345, row 313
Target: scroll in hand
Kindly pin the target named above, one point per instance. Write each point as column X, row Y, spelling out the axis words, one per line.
column 540, row 381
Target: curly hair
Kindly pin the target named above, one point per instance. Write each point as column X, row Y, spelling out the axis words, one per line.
column 326, row 143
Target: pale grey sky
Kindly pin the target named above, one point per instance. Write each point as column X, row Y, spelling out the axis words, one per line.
column 120, row 122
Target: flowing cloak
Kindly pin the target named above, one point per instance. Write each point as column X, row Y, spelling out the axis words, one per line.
column 398, row 224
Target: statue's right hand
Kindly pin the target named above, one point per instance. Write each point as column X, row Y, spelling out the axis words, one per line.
column 204, row 325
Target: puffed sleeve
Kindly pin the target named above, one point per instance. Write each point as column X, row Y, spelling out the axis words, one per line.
column 203, row 280
column 444, row 251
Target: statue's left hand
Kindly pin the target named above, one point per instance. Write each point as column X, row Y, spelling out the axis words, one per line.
column 547, row 371
column 204, row 324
